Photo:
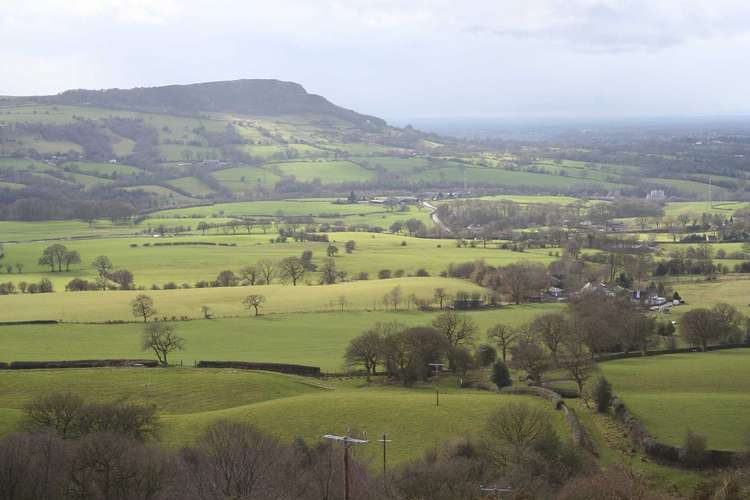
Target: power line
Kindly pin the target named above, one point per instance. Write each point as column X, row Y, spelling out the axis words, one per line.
column 348, row 441
column 494, row 490
column 436, row 369
column 385, row 442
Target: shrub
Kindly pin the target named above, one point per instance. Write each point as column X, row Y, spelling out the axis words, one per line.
column 80, row 285
column 170, row 286
column 602, row 395
column 399, row 273
column 486, row 355
column 363, row 276
column 693, row 451
column 69, row 416
column 403, row 243
column 501, row 375
column 384, row 274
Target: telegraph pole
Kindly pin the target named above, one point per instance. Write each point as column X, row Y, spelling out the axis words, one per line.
column 385, row 442
column 348, row 441
column 436, row 369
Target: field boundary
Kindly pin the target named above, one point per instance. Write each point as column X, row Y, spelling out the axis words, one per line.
column 642, row 438
column 305, row 371
column 578, row 432
column 662, row 352
column 81, row 363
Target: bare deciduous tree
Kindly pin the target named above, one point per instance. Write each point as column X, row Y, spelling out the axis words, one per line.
column 267, row 270
column 254, row 301
column 143, row 307
column 503, row 336
column 292, row 269
column 161, row 338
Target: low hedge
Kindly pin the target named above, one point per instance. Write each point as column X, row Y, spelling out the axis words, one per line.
column 533, row 390
column 82, row 363
column 660, row 352
column 307, row 371
column 30, row 322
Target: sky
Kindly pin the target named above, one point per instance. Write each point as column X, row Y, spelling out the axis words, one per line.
column 398, row 59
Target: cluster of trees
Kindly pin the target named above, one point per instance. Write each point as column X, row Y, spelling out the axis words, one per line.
column 405, row 353
column 58, row 255
column 108, row 278
column 723, row 324
column 412, row 227
column 42, row 286
column 518, row 281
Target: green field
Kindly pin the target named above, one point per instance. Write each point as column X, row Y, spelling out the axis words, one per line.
column 704, row 392
column 191, row 399
column 328, row 171
column 246, row 178
column 317, row 339
column 43, row 230
column 224, row 301
column 190, row 263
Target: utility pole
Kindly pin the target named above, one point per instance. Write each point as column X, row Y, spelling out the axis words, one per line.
column 348, row 441
column 385, row 442
column 436, row 369
column 494, row 490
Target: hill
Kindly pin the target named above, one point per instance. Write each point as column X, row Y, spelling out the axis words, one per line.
column 248, row 97
column 117, row 153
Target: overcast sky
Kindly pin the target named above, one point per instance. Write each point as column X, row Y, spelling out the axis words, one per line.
column 408, row 58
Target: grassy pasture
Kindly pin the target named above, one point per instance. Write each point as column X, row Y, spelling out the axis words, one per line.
column 408, row 416
column 328, row 171
column 699, row 207
column 104, row 306
column 710, row 293
column 317, row 339
column 498, row 177
column 704, row 392
column 192, row 185
column 690, row 187
column 285, row 406
column 101, row 169
column 188, row 263
column 292, row 207
column 26, row 231
column 246, row 178
column 14, row 164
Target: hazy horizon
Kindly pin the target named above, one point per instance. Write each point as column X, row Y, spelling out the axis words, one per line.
column 575, row 59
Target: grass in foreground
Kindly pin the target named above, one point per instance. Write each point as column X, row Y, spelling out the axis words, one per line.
column 704, row 392
column 286, row 406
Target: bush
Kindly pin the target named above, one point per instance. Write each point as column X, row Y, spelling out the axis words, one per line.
column 693, row 452
column 170, row 286
column 384, row 274
column 501, row 375
column 422, row 273
column 70, row 416
column 602, row 395
column 486, row 355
